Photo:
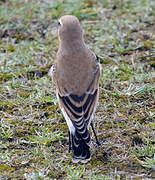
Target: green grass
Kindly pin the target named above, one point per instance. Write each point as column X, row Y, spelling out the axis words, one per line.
column 33, row 132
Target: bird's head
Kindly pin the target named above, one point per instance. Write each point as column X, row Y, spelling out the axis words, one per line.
column 69, row 28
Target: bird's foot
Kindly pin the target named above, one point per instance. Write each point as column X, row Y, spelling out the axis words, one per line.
column 97, row 144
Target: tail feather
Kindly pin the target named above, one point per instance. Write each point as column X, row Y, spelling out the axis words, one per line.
column 80, row 146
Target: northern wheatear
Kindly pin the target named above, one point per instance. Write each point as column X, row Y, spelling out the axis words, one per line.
column 76, row 74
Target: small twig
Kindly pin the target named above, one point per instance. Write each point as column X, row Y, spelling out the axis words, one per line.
column 151, row 55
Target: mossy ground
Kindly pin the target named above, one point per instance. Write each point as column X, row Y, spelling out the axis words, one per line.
column 33, row 132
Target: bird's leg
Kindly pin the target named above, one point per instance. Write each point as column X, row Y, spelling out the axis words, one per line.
column 70, row 144
column 97, row 141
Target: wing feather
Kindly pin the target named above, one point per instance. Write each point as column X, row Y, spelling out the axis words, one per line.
column 84, row 111
column 80, row 108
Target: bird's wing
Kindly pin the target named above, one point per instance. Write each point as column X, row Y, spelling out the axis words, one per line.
column 80, row 108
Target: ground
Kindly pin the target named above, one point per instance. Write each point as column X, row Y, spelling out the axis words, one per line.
column 33, row 132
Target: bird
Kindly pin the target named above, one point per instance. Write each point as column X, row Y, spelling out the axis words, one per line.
column 76, row 73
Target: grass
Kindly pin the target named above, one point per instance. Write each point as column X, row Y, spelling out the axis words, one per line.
column 33, row 132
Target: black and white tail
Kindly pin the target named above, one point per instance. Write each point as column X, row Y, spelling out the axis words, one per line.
column 80, row 142
column 80, row 146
